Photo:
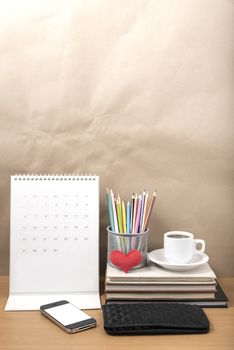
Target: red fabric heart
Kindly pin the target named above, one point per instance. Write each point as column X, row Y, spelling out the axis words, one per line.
column 125, row 261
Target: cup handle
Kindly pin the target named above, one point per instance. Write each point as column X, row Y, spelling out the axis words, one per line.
column 203, row 246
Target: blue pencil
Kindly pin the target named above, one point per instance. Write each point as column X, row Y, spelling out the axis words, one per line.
column 110, row 210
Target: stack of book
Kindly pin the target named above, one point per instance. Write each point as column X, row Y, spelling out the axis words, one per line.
column 153, row 283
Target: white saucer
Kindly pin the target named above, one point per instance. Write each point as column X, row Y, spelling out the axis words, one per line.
column 157, row 256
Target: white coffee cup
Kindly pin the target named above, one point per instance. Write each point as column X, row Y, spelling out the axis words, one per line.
column 180, row 246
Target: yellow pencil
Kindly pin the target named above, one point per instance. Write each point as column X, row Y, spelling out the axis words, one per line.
column 124, row 217
column 119, row 214
column 144, row 212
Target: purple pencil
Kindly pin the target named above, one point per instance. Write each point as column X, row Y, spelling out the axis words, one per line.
column 137, row 222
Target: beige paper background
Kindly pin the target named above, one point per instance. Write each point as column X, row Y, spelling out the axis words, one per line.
column 138, row 92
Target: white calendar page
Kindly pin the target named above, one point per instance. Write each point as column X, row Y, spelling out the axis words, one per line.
column 54, row 244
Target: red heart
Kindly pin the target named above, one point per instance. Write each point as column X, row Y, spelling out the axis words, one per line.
column 125, row 261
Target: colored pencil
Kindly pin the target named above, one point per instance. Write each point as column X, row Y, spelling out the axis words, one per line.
column 134, row 212
column 131, row 213
column 128, row 217
column 136, row 226
column 124, row 217
column 110, row 209
column 114, row 212
column 133, row 218
column 149, row 211
column 119, row 214
column 144, row 212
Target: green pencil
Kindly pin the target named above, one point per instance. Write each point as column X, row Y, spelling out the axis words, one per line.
column 119, row 215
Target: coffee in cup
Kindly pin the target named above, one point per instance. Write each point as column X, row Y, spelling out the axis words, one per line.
column 180, row 246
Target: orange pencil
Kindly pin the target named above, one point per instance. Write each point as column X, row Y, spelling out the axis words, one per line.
column 144, row 212
column 149, row 211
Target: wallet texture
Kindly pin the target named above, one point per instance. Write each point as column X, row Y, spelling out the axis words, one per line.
column 140, row 318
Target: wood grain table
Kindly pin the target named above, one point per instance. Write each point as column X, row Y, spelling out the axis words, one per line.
column 31, row 331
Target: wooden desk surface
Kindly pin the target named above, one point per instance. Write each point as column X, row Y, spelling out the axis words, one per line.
column 31, row 331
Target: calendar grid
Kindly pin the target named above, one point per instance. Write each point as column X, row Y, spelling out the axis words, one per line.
column 54, row 244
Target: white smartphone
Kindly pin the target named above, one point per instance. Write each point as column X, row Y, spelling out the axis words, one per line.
column 67, row 316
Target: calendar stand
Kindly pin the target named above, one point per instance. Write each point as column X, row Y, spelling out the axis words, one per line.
column 54, row 241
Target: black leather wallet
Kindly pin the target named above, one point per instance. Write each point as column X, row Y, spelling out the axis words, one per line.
column 150, row 318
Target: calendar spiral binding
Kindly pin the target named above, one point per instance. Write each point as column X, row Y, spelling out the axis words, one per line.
column 54, row 177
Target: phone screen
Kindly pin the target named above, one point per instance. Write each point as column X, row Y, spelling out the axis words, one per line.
column 67, row 314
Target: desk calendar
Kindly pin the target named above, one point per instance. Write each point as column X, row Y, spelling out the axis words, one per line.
column 54, row 243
